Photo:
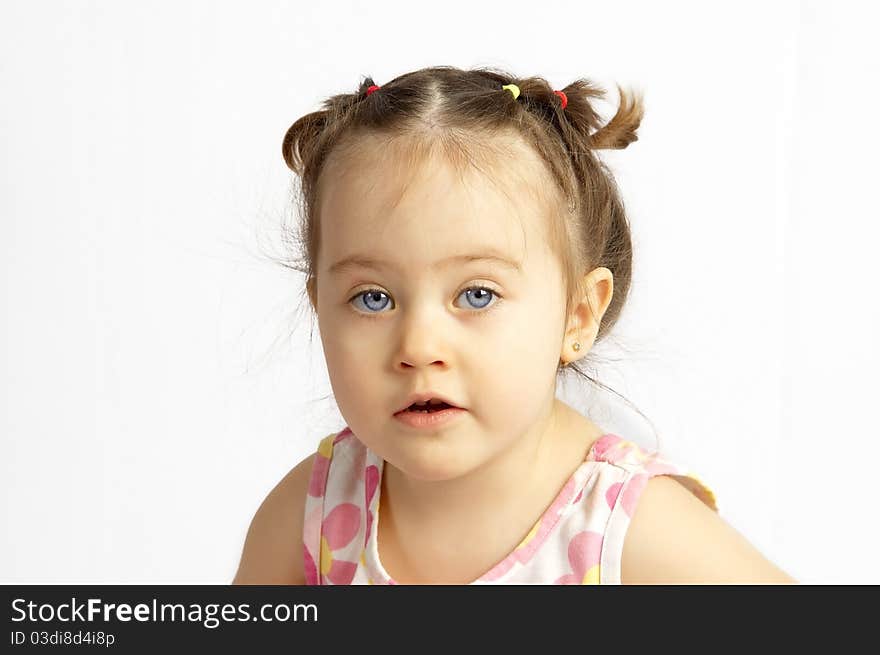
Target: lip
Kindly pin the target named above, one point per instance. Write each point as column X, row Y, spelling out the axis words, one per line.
column 425, row 397
column 429, row 420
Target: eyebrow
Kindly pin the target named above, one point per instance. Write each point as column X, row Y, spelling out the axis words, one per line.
column 362, row 261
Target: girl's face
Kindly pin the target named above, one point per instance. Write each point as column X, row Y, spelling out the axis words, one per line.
column 492, row 350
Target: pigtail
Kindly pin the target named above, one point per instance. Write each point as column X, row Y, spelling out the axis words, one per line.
column 301, row 139
column 620, row 131
column 578, row 122
column 579, row 112
column 307, row 135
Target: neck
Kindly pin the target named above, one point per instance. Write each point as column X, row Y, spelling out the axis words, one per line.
column 508, row 481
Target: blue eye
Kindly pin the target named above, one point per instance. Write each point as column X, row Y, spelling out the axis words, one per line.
column 376, row 300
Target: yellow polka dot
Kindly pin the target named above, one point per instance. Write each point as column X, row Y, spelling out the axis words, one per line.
column 325, row 448
column 591, row 576
column 326, row 557
column 530, row 535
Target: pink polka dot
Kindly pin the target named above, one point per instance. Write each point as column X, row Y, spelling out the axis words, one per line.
column 341, row 572
column 603, row 444
column 311, row 571
column 341, row 525
column 612, row 493
column 371, row 479
column 320, row 467
column 632, row 492
column 369, row 527
column 583, row 551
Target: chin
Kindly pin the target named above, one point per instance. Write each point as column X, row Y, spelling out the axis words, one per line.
column 433, row 465
column 429, row 474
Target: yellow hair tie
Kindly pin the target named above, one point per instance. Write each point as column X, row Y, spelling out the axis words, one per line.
column 513, row 88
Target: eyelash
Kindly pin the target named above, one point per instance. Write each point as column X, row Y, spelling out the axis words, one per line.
column 477, row 312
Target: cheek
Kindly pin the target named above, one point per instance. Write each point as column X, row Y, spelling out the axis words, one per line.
column 358, row 393
column 516, row 362
column 349, row 366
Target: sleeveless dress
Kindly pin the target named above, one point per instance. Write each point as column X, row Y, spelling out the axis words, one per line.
column 578, row 539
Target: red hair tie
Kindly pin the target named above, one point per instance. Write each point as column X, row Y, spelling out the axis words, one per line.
column 564, row 98
column 372, row 88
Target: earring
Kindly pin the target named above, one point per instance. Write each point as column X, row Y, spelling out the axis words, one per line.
column 576, row 346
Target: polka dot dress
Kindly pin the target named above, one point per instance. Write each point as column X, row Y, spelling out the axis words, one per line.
column 578, row 539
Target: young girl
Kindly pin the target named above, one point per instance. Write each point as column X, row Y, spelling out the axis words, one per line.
column 464, row 247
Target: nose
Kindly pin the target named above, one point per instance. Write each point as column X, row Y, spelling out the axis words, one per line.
column 419, row 353
column 421, row 343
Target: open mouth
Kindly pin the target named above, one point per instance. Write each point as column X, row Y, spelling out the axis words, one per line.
column 432, row 416
column 427, row 408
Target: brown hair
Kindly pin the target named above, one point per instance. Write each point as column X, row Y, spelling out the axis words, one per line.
column 462, row 112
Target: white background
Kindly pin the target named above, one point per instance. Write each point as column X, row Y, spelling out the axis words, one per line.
column 157, row 377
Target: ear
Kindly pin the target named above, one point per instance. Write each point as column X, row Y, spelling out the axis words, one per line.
column 586, row 316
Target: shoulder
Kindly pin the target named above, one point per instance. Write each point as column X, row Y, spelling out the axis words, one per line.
column 272, row 551
column 675, row 538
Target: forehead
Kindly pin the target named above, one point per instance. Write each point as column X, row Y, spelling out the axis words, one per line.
column 411, row 213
